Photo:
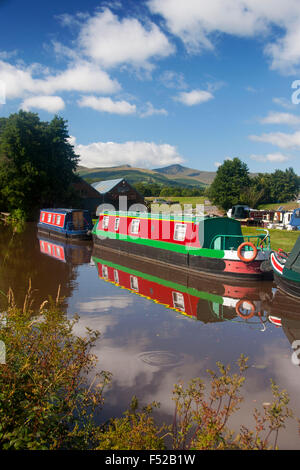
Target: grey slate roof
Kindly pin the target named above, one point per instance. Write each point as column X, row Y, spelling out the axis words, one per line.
column 105, row 186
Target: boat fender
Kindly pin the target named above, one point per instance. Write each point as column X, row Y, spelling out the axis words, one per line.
column 240, row 314
column 239, row 252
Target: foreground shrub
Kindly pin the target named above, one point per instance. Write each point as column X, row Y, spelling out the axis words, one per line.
column 48, row 400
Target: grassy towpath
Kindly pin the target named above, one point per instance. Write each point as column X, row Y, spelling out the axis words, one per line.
column 279, row 238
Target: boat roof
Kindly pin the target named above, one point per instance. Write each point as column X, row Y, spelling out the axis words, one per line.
column 63, row 211
column 155, row 215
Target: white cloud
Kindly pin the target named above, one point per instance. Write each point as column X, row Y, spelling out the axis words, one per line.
column 142, row 154
column 201, row 22
column 52, row 104
column 194, row 97
column 107, row 105
column 281, row 118
column 150, row 111
column 270, row 157
column 82, row 77
column 111, row 41
column 279, row 139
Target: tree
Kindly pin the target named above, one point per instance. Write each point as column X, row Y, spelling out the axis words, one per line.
column 231, row 179
column 37, row 163
column 280, row 186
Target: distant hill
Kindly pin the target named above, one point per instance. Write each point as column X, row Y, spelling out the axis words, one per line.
column 172, row 175
column 189, row 175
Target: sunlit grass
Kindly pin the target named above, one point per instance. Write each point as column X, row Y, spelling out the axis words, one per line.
column 279, row 238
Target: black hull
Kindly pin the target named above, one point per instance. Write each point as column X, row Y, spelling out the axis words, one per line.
column 63, row 236
column 209, row 266
column 290, row 288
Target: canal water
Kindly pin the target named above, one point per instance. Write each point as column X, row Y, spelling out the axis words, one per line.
column 160, row 325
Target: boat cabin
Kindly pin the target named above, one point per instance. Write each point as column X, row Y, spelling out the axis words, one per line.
column 73, row 223
column 189, row 231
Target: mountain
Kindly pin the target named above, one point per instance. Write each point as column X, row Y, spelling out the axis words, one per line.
column 174, row 175
column 187, row 175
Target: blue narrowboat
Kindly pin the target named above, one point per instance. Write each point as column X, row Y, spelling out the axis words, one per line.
column 66, row 223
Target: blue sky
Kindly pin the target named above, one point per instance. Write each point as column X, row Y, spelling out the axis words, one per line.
column 151, row 83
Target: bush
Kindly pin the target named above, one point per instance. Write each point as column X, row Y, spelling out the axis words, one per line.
column 45, row 399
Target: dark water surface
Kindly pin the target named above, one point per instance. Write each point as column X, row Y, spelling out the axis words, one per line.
column 160, row 325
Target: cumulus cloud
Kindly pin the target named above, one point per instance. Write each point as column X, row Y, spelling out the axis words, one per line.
column 191, row 98
column 201, row 22
column 82, row 77
column 111, row 41
column 107, row 105
column 270, row 157
column 281, row 118
column 52, row 104
column 150, row 110
column 143, row 154
column 280, row 139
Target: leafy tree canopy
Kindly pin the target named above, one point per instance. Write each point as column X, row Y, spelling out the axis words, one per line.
column 231, row 179
column 36, row 163
column 280, row 186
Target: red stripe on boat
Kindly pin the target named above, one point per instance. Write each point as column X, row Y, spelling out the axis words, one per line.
column 279, row 267
column 275, row 320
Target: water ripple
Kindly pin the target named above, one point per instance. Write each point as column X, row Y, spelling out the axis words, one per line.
column 160, row 358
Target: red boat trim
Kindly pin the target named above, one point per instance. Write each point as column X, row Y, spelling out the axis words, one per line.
column 275, row 320
column 276, row 265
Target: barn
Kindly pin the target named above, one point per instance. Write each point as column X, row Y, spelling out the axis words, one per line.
column 88, row 197
column 111, row 190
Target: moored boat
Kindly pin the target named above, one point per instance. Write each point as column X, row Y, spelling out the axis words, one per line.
column 213, row 245
column 286, row 268
column 65, row 223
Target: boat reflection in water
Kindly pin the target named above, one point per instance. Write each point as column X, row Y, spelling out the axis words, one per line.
column 284, row 312
column 193, row 295
column 72, row 253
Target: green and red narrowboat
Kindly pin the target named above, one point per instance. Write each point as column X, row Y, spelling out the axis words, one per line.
column 213, row 245
column 190, row 294
column 286, row 269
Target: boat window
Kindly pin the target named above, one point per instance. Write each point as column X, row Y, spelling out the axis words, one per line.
column 179, row 232
column 117, row 223
column 135, row 225
column 49, row 218
column 105, row 222
column 58, row 219
column 43, row 216
column 116, row 276
column 134, row 284
column 105, row 272
column 178, row 300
